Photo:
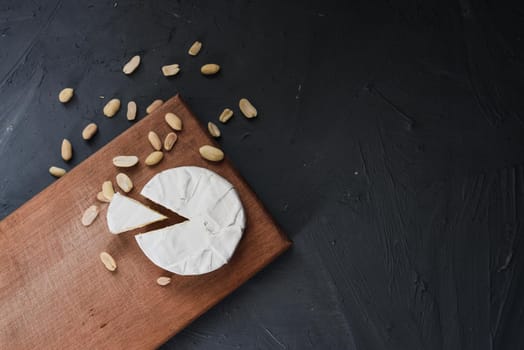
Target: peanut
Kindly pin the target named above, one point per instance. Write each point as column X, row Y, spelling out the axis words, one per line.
column 67, row 150
column 195, row 48
column 225, row 115
column 154, row 105
column 154, row 158
column 56, row 171
column 132, row 65
column 154, row 140
column 213, row 129
column 210, row 69
column 107, row 190
column 170, row 141
column 124, row 182
column 211, row 153
column 112, row 107
column 131, row 110
column 174, row 121
column 90, row 215
column 66, row 95
column 170, row 70
column 125, row 161
column 247, row 108
column 108, row 261
column 163, row 281
column 89, row 131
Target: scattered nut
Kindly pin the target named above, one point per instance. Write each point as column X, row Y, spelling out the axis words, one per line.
column 108, row 261
column 125, row 161
column 90, row 215
column 174, row 121
column 124, row 182
column 112, row 107
column 101, row 198
column 67, row 150
column 195, row 48
column 154, row 105
column 66, row 95
column 154, row 158
column 211, row 153
column 132, row 65
column 107, row 190
column 209, row 69
column 154, row 140
column 225, row 115
column 163, row 281
column 89, row 131
column 213, row 129
column 247, row 108
column 131, row 110
column 56, row 171
column 170, row 141
column 170, row 70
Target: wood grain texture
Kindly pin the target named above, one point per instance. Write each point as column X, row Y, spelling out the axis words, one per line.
column 55, row 292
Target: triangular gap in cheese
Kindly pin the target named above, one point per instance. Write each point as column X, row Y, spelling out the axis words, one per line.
column 125, row 214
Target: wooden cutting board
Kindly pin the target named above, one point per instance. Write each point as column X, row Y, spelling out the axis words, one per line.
column 54, row 291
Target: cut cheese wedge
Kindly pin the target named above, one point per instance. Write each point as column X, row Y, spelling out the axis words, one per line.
column 215, row 225
column 125, row 214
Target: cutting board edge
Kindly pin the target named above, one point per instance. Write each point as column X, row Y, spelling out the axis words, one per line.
column 281, row 233
column 286, row 244
column 280, row 244
column 80, row 165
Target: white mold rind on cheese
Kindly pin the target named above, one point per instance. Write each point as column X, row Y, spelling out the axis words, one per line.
column 215, row 225
column 125, row 214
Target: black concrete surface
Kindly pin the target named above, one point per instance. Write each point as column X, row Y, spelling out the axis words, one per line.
column 389, row 146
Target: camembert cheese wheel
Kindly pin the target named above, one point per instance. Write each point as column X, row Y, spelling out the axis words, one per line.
column 216, row 221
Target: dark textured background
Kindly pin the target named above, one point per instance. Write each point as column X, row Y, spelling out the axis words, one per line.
column 389, row 146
